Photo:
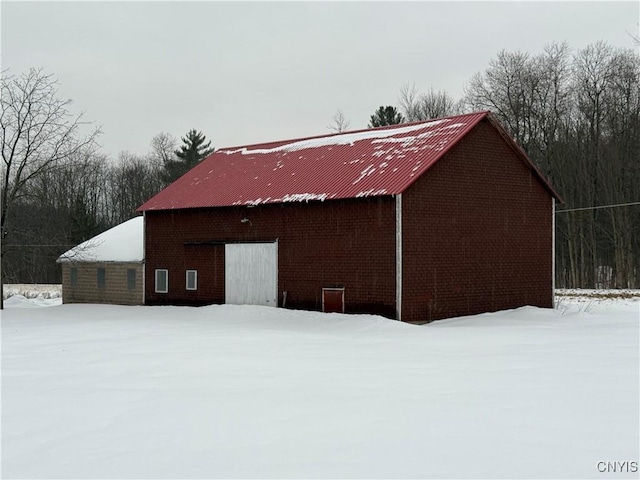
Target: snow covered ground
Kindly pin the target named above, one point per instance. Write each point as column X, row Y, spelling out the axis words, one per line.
column 98, row 391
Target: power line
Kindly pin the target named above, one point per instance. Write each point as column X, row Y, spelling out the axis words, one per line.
column 39, row 245
column 598, row 207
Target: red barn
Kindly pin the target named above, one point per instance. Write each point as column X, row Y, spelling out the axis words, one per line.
column 415, row 222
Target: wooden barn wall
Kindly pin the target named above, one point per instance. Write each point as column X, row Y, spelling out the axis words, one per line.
column 477, row 233
column 342, row 243
column 115, row 291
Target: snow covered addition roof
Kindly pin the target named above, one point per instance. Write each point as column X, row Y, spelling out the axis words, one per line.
column 122, row 243
column 372, row 162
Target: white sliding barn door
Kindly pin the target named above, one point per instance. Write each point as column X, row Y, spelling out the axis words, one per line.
column 251, row 274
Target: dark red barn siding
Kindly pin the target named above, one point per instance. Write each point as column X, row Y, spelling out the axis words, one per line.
column 342, row 243
column 477, row 233
column 476, row 220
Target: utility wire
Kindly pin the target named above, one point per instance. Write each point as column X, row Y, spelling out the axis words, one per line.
column 39, row 245
column 598, row 207
column 557, row 211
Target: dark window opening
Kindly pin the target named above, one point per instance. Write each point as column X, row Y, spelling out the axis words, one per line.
column 102, row 278
column 131, row 278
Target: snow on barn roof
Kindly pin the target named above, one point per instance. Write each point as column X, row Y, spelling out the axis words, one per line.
column 122, row 243
column 372, row 162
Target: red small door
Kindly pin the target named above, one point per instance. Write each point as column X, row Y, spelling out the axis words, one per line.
column 333, row 300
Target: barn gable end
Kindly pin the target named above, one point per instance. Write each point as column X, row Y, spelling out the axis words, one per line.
column 477, row 233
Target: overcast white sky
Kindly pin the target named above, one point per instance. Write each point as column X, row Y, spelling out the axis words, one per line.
column 248, row 72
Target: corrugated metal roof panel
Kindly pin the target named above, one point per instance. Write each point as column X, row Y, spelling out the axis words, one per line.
column 373, row 162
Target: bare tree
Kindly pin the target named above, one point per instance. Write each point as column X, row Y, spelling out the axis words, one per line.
column 340, row 122
column 38, row 133
column 635, row 37
column 409, row 102
column 424, row 106
column 132, row 181
column 163, row 146
column 506, row 89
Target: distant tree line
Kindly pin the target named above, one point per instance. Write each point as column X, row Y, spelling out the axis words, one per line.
column 578, row 118
column 576, row 114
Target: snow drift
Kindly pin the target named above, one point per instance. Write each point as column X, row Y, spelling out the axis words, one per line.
column 98, row 391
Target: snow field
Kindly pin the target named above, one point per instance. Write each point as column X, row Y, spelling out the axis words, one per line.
column 100, row 391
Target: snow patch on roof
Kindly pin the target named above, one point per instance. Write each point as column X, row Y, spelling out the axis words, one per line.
column 365, row 173
column 372, row 193
column 304, row 197
column 343, row 139
column 122, row 243
column 294, row 197
column 258, row 201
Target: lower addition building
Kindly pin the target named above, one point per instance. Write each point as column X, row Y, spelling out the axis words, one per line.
column 107, row 268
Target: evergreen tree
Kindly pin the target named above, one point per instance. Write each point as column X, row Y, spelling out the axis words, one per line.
column 191, row 152
column 385, row 116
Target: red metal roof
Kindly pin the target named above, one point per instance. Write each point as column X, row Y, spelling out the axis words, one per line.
column 372, row 162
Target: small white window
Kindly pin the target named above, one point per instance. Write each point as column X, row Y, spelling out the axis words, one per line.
column 192, row 279
column 162, row 281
